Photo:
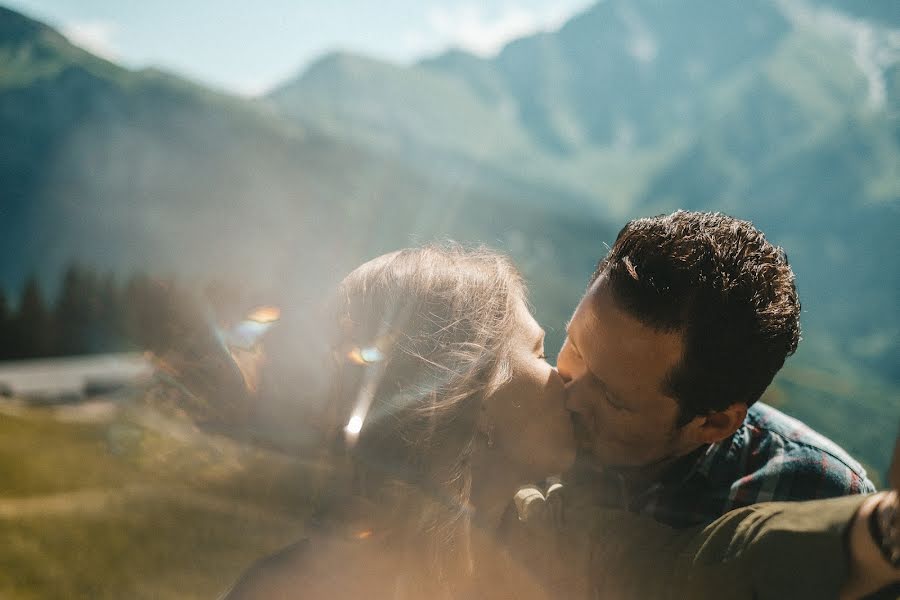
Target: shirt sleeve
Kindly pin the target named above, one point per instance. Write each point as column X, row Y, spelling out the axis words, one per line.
column 765, row 551
column 801, row 474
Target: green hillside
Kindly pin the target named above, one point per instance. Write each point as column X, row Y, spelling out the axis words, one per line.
column 405, row 108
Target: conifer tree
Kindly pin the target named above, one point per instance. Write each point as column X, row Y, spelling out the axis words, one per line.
column 110, row 317
column 71, row 313
column 31, row 327
column 5, row 325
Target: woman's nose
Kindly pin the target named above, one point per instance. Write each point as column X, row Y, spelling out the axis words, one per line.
column 566, row 362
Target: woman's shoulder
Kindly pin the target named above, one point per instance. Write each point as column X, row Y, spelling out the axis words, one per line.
column 320, row 566
column 274, row 576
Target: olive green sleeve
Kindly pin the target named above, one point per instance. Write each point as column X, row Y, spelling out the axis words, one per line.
column 766, row 551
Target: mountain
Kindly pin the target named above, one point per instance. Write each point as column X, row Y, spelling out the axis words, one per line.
column 623, row 70
column 129, row 170
column 596, row 107
column 752, row 107
column 404, row 108
column 884, row 11
column 782, row 112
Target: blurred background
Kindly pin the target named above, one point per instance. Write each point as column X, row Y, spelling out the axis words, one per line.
column 167, row 168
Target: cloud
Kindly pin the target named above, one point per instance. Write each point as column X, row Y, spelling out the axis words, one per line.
column 484, row 33
column 95, row 36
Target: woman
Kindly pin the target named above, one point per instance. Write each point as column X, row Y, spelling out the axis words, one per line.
column 442, row 405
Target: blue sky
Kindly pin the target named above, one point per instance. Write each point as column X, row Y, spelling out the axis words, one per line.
column 246, row 47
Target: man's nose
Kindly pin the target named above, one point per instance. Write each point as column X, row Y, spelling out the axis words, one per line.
column 565, row 364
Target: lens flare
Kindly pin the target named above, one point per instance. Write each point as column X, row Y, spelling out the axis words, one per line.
column 249, row 332
column 365, row 356
column 265, row 314
column 354, row 425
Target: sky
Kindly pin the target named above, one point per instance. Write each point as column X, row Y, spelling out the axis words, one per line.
column 248, row 47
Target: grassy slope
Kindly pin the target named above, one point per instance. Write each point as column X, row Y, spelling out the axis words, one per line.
column 119, row 509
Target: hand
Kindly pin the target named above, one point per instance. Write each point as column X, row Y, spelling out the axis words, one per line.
column 869, row 571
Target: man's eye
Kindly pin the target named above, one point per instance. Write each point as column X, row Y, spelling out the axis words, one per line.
column 613, row 404
column 605, row 395
column 542, row 356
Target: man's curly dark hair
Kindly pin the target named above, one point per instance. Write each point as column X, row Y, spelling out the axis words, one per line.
column 719, row 282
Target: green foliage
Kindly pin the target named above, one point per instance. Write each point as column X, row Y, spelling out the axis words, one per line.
column 87, row 317
column 31, row 328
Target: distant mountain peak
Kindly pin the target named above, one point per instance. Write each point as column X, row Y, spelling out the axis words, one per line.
column 16, row 28
column 338, row 61
column 35, row 51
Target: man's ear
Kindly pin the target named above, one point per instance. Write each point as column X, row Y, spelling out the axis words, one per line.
column 717, row 426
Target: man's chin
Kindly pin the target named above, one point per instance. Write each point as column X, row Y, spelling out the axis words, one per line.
column 592, row 451
column 601, row 458
column 620, row 460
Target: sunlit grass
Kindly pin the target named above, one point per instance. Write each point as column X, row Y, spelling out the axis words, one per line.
column 40, row 455
column 123, row 509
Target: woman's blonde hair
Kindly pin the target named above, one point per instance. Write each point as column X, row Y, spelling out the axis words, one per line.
column 422, row 338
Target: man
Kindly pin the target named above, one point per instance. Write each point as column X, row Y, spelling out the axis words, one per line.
column 683, row 327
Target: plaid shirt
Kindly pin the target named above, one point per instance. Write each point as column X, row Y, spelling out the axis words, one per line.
column 771, row 457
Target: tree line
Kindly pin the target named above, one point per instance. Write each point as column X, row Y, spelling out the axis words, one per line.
column 92, row 313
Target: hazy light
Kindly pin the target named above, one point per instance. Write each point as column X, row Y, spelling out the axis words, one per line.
column 94, row 35
column 249, row 332
column 365, row 356
column 354, row 425
column 265, row 314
